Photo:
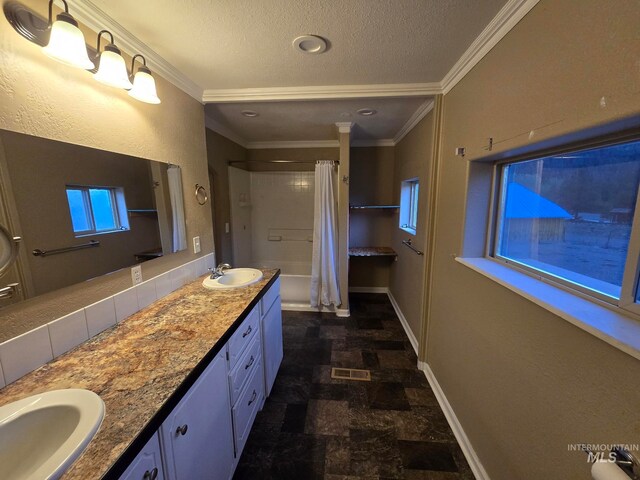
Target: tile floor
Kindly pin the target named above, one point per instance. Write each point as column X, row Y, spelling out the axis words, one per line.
column 315, row 427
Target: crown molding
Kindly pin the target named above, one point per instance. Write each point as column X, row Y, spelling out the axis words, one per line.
column 507, row 18
column 211, row 124
column 94, row 18
column 418, row 115
column 294, row 144
column 385, row 142
column 320, row 92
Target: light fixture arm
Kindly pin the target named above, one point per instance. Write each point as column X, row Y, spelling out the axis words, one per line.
column 144, row 62
column 100, row 36
column 66, row 10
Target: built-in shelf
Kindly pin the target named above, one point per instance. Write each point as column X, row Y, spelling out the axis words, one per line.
column 372, row 252
column 373, row 207
column 143, row 212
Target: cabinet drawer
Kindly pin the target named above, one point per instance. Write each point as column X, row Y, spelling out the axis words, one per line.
column 243, row 336
column 269, row 297
column 245, row 367
column 245, row 409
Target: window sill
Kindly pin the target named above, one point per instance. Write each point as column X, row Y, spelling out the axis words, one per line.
column 412, row 231
column 606, row 324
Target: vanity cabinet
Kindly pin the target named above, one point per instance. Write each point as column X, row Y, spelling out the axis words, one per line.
column 271, row 319
column 203, row 437
column 148, row 464
column 197, row 437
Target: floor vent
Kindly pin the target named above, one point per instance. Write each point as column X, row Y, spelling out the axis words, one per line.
column 351, row 374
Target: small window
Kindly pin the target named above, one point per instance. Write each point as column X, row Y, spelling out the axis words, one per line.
column 96, row 210
column 409, row 191
column 569, row 217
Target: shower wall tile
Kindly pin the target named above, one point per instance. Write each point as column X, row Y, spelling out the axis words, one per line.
column 281, row 201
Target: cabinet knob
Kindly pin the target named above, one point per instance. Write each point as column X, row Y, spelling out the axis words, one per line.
column 253, row 398
column 182, row 430
column 151, row 475
column 247, row 332
column 250, row 362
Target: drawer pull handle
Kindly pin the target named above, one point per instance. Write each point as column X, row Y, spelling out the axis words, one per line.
column 182, row 430
column 253, row 398
column 151, row 475
column 250, row 362
column 247, row 332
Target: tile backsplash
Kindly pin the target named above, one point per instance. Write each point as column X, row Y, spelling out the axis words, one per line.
column 31, row 350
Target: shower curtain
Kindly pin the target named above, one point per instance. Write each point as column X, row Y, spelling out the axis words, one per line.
column 174, row 176
column 325, row 289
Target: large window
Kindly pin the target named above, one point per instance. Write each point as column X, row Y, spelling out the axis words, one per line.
column 96, row 209
column 570, row 218
column 409, row 190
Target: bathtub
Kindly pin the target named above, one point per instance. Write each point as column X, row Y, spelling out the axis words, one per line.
column 295, row 285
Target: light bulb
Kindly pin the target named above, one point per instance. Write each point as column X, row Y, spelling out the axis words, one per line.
column 112, row 70
column 66, row 43
column 144, row 87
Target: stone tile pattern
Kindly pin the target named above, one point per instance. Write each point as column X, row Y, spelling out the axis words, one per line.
column 316, row 427
column 136, row 365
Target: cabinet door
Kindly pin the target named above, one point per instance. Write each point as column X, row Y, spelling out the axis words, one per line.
column 272, row 351
column 147, row 465
column 197, row 437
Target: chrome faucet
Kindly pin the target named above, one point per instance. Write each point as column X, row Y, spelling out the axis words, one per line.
column 219, row 271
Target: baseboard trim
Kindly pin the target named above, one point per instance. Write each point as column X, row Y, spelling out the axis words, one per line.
column 368, row 290
column 343, row 312
column 472, row 459
column 300, row 307
column 403, row 321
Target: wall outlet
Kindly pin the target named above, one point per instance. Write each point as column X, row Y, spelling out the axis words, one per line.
column 196, row 244
column 136, row 274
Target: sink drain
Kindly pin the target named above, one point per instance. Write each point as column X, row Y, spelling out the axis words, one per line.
column 351, row 374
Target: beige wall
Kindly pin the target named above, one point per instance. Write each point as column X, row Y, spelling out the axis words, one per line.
column 221, row 151
column 371, row 183
column 41, row 97
column 523, row 382
column 413, row 157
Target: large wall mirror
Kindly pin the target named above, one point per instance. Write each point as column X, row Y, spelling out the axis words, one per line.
column 81, row 213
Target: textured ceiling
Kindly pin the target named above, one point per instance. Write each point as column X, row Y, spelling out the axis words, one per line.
column 236, row 44
column 314, row 120
column 221, row 44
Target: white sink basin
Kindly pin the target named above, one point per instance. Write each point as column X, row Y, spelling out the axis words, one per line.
column 40, row 436
column 234, row 278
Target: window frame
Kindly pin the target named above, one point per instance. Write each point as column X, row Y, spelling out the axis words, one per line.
column 631, row 275
column 409, row 198
column 117, row 198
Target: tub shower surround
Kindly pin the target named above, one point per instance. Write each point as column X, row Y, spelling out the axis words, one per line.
column 144, row 366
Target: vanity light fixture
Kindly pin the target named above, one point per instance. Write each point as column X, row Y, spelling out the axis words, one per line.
column 144, row 86
column 112, row 70
column 66, row 41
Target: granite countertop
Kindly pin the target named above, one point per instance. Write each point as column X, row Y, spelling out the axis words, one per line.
column 142, row 364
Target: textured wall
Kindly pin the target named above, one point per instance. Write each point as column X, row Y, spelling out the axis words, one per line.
column 412, row 159
column 41, row 97
column 523, row 382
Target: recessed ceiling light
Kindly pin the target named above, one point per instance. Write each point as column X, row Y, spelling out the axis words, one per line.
column 310, row 44
column 367, row 112
column 249, row 113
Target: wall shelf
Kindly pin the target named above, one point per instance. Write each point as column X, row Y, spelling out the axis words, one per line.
column 373, row 207
column 372, row 252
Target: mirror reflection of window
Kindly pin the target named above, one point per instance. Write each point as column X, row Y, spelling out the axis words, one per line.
column 97, row 210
